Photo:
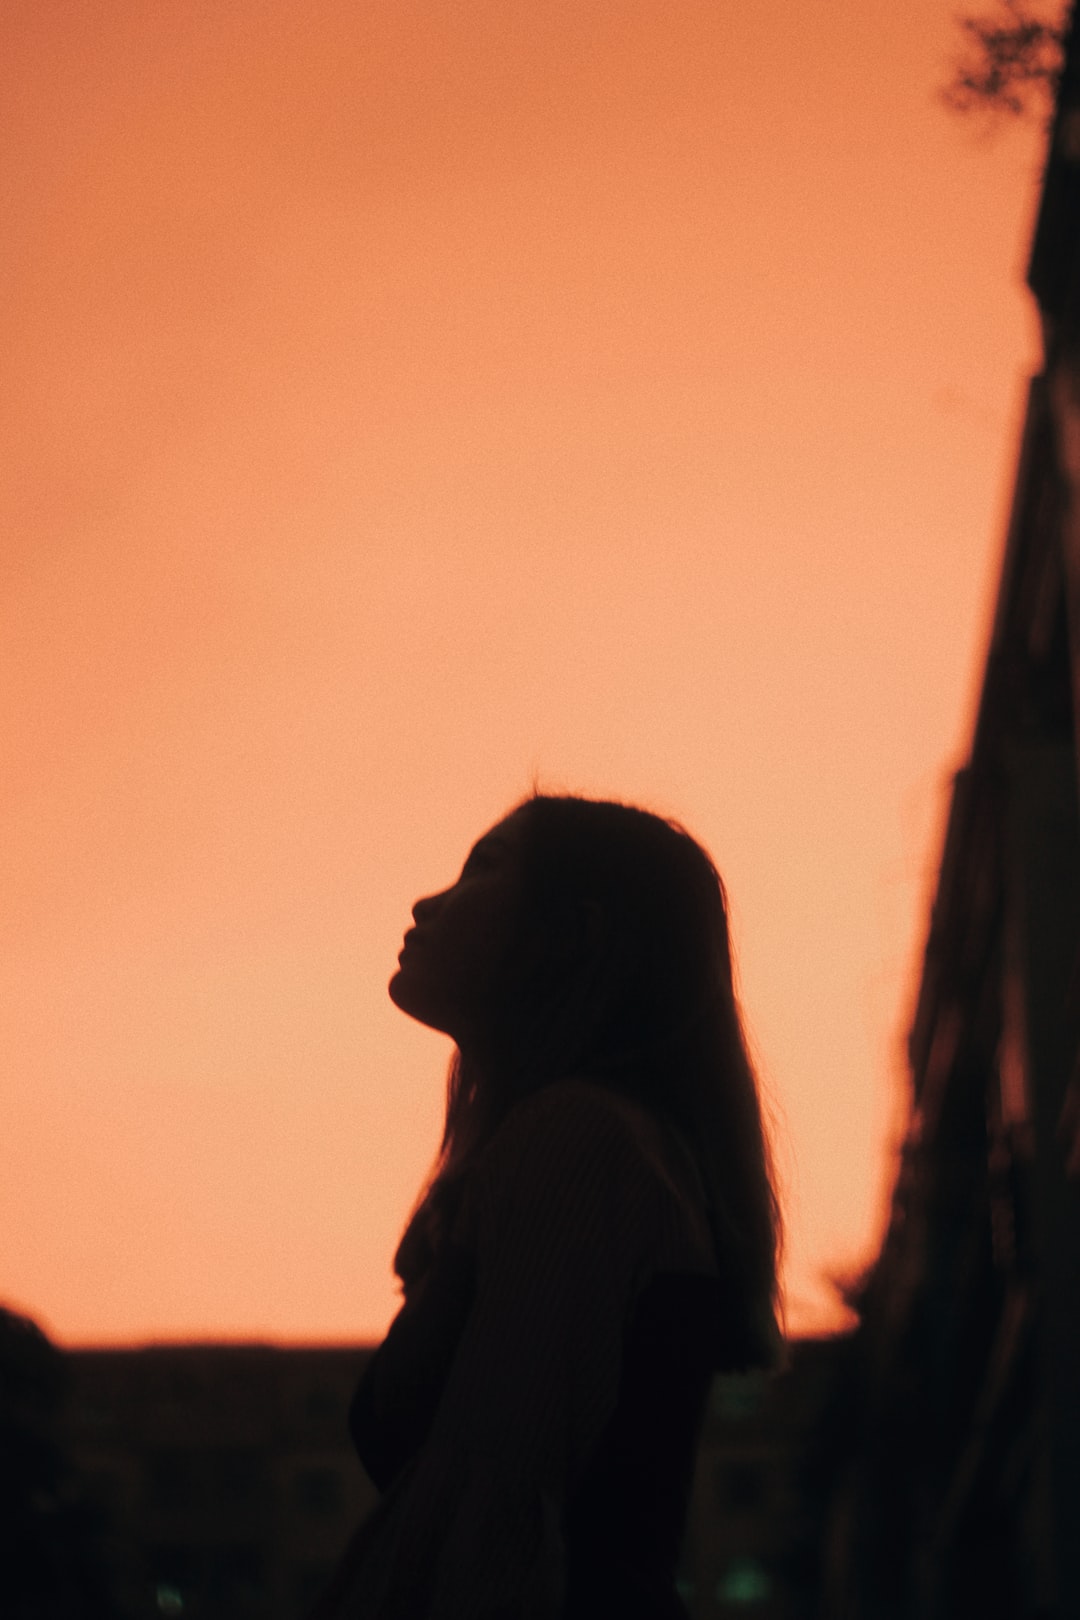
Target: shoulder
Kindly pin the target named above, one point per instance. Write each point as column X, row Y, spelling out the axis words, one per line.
column 575, row 1124
column 577, row 1152
column 574, row 1106
column 583, row 1122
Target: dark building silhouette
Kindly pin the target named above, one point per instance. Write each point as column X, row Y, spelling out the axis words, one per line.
column 213, row 1481
column 952, row 1444
column 753, row 1526
column 223, row 1475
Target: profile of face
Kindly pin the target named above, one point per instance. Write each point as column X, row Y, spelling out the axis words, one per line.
column 451, row 961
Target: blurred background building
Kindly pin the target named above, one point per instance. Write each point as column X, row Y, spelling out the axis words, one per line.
column 218, row 1482
column 951, row 1448
column 224, row 1473
column 199, row 1480
column 755, row 1521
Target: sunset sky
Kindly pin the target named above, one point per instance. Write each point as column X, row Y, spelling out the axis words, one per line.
column 404, row 400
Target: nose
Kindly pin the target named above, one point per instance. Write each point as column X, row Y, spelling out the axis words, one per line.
column 426, row 906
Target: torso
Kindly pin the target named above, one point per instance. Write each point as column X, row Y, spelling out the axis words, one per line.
column 625, row 1504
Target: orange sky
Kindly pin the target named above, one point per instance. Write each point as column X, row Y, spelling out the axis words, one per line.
column 404, row 398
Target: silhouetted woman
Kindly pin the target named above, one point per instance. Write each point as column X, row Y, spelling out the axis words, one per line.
column 598, row 1237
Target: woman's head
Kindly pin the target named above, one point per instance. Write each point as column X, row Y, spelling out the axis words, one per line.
column 579, row 931
column 590, row 938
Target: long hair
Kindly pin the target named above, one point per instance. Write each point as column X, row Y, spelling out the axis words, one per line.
column 621, row 972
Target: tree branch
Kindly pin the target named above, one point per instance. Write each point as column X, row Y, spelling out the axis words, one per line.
column 1010, row 65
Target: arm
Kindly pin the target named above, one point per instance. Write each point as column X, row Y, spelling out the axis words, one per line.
column 559, row 1202
column 396, row 1400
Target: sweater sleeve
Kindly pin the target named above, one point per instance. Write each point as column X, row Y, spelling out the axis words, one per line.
column 570, row 1213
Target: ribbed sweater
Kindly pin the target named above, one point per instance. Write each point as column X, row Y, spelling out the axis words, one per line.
column 532, row 1414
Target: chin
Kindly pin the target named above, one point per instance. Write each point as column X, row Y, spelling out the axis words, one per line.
column 404, row 995
column 415, row 1005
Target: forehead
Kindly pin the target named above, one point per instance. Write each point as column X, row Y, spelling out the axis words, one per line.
column 502, row 841
column 503, row 838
